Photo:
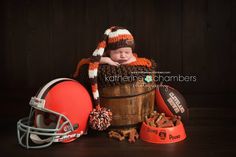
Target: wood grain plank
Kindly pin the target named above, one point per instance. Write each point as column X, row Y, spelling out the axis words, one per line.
column 170, row 40
column 195, row 60
column 233, row 48
column 39, row 62
column 96, row 22
column 218, row 46
column 15, row 52
column 147, row 29
column 63, row 38
column 45, row 39
column 121, row 13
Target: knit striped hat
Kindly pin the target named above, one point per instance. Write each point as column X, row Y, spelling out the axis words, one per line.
column 114, row 38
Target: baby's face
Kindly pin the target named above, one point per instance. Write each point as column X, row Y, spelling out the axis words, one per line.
column 122, row 55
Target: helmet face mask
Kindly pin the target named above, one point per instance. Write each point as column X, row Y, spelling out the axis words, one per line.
column 58, row 120
column 43, row 135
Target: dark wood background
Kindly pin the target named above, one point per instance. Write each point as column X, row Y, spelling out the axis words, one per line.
column 43, row 40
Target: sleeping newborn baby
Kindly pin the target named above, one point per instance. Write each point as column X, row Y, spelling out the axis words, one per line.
column 119, row 56
column 116, row 48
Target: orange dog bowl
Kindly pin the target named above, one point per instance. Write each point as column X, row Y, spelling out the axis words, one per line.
column 162, row 135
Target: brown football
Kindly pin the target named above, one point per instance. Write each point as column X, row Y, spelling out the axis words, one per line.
column 171, row 102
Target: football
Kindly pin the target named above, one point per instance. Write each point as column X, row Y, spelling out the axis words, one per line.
column 171, row 102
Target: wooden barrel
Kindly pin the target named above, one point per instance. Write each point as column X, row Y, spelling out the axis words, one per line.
column 129, row 103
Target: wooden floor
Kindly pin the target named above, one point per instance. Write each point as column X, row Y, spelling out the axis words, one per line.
column 210, row 132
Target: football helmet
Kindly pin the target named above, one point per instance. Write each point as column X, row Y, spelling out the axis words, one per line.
column 59, row 113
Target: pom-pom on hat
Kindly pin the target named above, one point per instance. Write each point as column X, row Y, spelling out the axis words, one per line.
column 114, row 38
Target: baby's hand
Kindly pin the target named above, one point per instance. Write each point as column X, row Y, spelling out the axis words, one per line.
column 108, row 60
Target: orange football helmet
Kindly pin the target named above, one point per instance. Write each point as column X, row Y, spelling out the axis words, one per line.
column 59, row 113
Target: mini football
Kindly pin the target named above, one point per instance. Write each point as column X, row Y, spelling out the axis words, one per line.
column 171, row 102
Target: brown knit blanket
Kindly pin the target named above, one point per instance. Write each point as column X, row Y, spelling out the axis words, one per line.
column 109, row 75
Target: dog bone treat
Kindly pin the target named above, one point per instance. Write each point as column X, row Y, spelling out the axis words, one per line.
column 166, row 124
column 145, row 119
column 176, row 119
column 152, row 123
column 160, row 120
column 121, row 134
column 116, row 135
column 133, row 135
column 154, row 114
column 125, row 133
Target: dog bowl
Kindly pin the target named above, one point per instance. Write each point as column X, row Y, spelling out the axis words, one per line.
column 162, row 135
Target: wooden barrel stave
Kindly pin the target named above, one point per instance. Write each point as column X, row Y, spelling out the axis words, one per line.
column 129, row 103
